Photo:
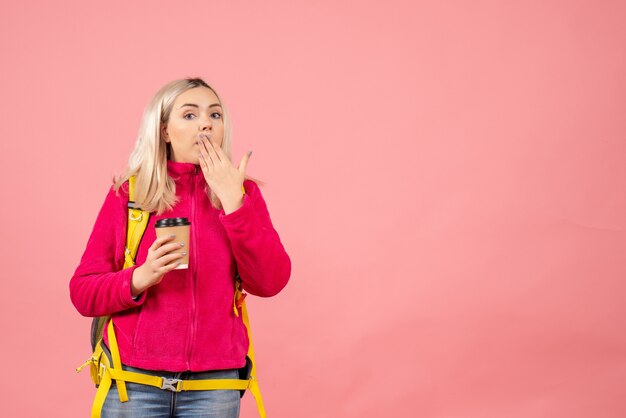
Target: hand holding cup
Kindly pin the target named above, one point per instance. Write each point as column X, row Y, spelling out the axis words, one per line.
column 161, row 259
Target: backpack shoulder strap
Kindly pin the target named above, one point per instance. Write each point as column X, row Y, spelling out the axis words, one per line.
column 254, row 382
column 137, row 223
column 240, row 303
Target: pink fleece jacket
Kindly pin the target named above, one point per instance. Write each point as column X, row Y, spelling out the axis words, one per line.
column 186, row 322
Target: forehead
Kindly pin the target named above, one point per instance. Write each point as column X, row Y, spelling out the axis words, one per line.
column 198, row 95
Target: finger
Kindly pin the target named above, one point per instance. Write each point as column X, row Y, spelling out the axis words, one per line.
column 166, row 249
column 204, row 167
column 173, row 246
column 204, row 150
column 243, row 165
column 168, row 267
column 218, row 150
column 211, row 151
column 159, row 241
column 167, row 259
column 201, row 156
column 201, row 143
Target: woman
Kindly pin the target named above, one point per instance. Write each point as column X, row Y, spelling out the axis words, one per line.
column 180, row 323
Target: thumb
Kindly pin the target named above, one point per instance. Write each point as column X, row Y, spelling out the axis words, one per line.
column 244, row 162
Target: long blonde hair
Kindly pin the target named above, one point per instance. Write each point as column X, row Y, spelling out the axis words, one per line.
column 154, row 189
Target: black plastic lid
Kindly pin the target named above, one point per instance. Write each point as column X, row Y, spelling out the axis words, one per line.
column 162, row 223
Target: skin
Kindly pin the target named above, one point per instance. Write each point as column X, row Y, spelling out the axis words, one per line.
column 195, row 134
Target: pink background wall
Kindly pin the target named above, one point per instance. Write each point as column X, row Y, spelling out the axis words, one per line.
column 447, row 177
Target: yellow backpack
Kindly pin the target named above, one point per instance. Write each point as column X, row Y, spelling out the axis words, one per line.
column 105, row 364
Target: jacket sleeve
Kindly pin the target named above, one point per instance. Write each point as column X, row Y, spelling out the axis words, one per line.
column 99, row 285
column 262, row 262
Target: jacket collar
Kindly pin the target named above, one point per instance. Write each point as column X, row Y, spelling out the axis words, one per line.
column 181, row 168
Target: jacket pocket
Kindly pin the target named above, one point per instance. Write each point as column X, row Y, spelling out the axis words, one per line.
column 136, row 330
column 124, row 324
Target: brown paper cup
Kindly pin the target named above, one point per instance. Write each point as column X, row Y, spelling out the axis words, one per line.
column 180, row 228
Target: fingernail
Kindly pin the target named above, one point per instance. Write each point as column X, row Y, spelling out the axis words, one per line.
column 182, row 244
column 249, row 153
column 172, row 236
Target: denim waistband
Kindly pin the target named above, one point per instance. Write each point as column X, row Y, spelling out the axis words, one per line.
column 208, row 374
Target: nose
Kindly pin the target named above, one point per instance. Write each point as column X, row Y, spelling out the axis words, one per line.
column 205, row 124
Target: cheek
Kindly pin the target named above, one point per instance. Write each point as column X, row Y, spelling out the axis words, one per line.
column 177, row 127
column 181, row 125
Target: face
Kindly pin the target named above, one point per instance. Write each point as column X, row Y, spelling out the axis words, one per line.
column 195, row 111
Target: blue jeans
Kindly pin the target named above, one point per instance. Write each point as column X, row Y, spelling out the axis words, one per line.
column 149, row 401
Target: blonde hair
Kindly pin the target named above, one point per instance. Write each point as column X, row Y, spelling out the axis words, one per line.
column 155, row 190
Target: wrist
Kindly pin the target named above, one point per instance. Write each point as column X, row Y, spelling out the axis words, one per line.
column 137, row 285
column 232, row 204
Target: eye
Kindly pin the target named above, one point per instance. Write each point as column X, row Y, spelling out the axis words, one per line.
column 219, row 115
column 187, row 114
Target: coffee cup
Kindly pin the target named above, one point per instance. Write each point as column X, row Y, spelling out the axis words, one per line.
column 180, row 228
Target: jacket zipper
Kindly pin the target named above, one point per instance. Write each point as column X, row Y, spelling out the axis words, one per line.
column 192, row 264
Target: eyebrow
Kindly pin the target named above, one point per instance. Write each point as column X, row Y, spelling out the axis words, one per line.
column 195, row 105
